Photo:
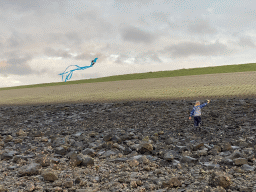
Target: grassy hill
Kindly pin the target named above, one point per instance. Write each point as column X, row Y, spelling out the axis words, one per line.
column 159, row 74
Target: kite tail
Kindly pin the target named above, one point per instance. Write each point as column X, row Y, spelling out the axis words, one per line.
column 69, row 75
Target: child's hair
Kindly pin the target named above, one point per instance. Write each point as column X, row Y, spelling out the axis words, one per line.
column 197, row 103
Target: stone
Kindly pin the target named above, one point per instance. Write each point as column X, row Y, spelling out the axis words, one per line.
column 43, row 160
column 176, row 164
column 60, row 151
column 226, row 147
column 44, row 139
column 210, row 166
column 127, row 151
column 109, row 153
column 116, row 139
column 133, row 163
column 8, row 138
column 133, row 184
column 240, row 161
column 7, row 155
column 68, row 184
column 187, row 159
column 170, row 141
column 247, row 167
column 77, row 180
column 30, row 187
column 145, row 147
column 49, row 175
column 200, row 153
column 93, row 134
column 219, row 179
column 169, row 156
column 3, row 189
column 198, row 146
column 76, row 159
column 181, row 149
column 145, row 160
column 21, row 133
column 89, row 152
column 17, row 140
column 227, row 161
column 108, row 137
column 37, row 134
column 172, row 183
column 236, row 154
column 31, row 169
column 87, row 160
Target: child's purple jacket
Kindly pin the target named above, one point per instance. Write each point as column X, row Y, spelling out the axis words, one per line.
column 196, row 111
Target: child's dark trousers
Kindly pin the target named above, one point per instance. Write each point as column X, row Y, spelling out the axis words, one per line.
column 197, row 121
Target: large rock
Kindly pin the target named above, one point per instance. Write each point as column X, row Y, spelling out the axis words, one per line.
column 226, row 147
column 68, row 184
column 210, row 166
column 8, row 138
column 145, row 147
column 76, row 159
column 3, row 189
column 240, row 161
column 21, row 133
column 108, row 137
column 49, row 175
column 8, row 155
column 87, row 160
column 170, row 141
column 170, row 155
column 108, row 153
column 219, row 179
column 187, row 159
column 247, row 167
column 60, row 151
column 171, row 183
column 236, row 154
column 89, row 152
column 43, row 160
column 31, row 169
column 198, row 146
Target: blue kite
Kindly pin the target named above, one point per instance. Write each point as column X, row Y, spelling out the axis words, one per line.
column 71, row 68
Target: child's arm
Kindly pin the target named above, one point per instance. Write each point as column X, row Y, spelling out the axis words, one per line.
column 192, row 113
column 204, row 104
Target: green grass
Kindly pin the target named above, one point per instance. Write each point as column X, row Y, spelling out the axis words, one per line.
column 159, row 74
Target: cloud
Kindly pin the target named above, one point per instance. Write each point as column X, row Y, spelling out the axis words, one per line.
column 121, row 58
column 57, row 53
column 148, row 57
column 83, row 56
column 35, row 5
column 136, row 35
column 187, row 49
column 3, row 64
column 17, row 63
column 201, row 27
column 246, row 42
column 138, row 3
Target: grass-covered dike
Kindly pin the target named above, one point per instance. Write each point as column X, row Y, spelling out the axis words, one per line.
column 148, row 75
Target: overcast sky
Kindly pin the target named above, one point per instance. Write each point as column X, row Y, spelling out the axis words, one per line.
column 40, row 38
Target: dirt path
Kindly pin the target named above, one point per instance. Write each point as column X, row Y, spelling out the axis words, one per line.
column 242, row 84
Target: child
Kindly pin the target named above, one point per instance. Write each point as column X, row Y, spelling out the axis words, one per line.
column 197, row 113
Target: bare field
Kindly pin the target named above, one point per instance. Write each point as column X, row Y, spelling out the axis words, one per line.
column 240, row 84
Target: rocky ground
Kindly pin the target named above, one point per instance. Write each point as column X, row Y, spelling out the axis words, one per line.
column 131, row 146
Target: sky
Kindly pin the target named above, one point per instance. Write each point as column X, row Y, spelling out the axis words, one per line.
column 39, row 39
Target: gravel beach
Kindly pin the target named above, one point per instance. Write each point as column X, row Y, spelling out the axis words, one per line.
column 128, row 146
